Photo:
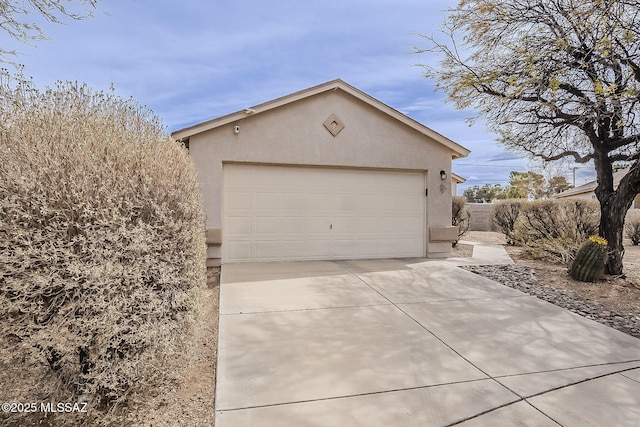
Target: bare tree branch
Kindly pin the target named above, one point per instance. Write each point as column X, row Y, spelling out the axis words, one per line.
column 555, row 79
column 15, row 22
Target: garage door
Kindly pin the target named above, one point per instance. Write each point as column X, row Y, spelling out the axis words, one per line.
column 277, row 213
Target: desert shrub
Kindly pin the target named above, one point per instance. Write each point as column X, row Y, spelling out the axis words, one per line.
column 102, row 252
column 503, row 217
column 632, row 227
column 555, row 229
column 460, row 216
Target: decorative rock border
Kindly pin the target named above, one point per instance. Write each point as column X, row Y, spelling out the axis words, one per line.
column 523, row 278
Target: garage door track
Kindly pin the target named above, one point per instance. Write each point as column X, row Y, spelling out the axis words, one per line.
column 411, row 343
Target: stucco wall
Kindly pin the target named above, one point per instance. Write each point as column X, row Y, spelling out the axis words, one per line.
column 294, row 134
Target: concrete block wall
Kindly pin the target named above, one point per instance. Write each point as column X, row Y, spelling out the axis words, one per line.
column 480, row 216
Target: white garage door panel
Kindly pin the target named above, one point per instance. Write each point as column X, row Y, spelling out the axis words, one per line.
column 294, row 213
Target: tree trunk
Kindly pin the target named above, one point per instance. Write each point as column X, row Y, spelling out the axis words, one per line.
column 612, row 214
column 613, row 210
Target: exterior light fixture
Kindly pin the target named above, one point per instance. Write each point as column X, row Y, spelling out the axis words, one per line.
column 443, row 175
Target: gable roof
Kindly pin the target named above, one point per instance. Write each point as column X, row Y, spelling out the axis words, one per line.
column 590, row 187
column 456, row 149
column 457, row 178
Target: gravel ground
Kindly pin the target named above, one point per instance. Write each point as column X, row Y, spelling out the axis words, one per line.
column 524, row 279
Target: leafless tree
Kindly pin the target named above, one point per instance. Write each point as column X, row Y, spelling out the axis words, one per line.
column 555, row 79
column 16, row 18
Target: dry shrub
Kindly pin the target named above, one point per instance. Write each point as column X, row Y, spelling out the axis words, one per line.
column 504, row 215
column 460, row 216
column 632, row 226
column 102, row 252
column 555, row 229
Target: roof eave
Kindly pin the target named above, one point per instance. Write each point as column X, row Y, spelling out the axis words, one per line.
column 458, row 178
column 458, row 151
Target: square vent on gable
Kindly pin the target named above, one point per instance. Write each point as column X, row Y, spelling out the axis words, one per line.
column 333, row 124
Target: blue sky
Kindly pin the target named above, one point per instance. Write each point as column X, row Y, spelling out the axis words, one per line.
column 193, row 60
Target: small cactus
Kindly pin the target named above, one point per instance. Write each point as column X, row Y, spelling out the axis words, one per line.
column 590, row 259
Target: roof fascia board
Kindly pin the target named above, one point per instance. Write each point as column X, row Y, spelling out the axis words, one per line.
column 591, row 186
column 458, row 178
column 256, row 109
column 457, row 150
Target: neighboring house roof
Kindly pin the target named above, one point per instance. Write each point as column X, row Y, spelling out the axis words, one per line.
column 590, row 187
column 456, row 149
column 458, row 179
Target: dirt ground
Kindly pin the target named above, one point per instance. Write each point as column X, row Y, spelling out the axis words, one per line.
column 621, row 294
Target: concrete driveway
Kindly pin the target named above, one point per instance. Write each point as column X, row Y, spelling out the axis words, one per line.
column 411, row 343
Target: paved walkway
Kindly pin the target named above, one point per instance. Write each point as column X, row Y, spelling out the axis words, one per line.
column 411, row 343
column 483, row 254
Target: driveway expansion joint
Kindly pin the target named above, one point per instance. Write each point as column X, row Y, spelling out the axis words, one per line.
column 480, row 414
column 340, row 307
column 420, row 325
column 579, row 382
column 632, row 379
column 505, row 297
column 576, row 367
column 371, row 393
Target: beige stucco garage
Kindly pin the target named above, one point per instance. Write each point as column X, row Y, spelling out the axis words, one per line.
column 325, row 173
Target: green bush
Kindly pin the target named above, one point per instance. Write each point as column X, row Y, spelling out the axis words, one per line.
column 555, row 229
column 460, row 216
column 102, row 251
column 503, row 217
